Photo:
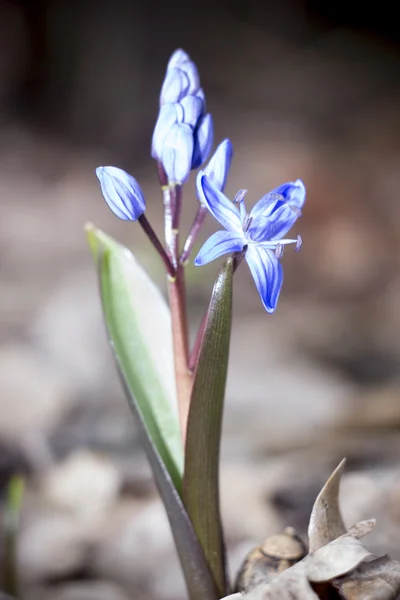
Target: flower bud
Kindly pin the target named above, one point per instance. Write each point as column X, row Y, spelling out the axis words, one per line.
column 181, row 79
column 169, row 115
column 177, row 153
column 219, row 164
column 122, row 193
column 203, row 141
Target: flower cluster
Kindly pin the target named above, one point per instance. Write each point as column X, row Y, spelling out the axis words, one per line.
column 182, row 141
column 183, row 135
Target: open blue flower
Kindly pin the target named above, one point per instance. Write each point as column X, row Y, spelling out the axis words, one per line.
column 259, row 233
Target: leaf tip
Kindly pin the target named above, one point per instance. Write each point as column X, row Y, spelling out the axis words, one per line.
column 326, row 523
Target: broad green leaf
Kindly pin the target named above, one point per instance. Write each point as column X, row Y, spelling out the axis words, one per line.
column 199, row 581
column 139, row 327
column 201, row 476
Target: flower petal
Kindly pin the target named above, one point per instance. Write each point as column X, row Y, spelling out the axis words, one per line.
column 122, row 193
column 177, row 152
column 219, row 205
column 218, row 166
column 203, row 141
column 274, row 227
column 192, row 74
column 177, row 58
column 169, row 114
column 267, row 274
column 192, row 109
column 293, row 193
column 175, row 86
column 221, row 242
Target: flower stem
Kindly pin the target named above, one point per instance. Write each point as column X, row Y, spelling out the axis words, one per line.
column 183, row 375
column 172, row 197
column 147, row 228
column 193, row 233
column 168, row 216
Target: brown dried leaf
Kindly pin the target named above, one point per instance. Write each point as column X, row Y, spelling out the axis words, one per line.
column 326, row 522
column 360, row 529
column 375, row 580
column 340, row 556
column 287, row 586
column 330, row 562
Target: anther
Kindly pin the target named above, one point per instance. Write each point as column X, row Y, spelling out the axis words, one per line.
column 299, row 243
column 279, row 251
column 239, row 196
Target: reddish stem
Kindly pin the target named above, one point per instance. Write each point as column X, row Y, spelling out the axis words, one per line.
column 193, row 233
column 147, row 228
column 172, row 197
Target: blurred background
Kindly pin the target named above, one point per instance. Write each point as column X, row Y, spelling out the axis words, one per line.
column 303, row 89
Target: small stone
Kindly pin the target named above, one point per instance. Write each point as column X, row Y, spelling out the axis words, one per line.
column 135, row 545
column 83, row 590
column 34, row 398
column 52, row 544
column 85, row 484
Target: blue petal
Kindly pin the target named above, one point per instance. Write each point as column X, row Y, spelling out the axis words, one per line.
column 175, row 87
column 219, row 205
column 177, row 153
column 167, row 117
column 293, row 193
column 267, row 274
column 274, row 227
column 177, row 58
column 222, row 242
column 192, row 109
column 122, row 193
column 190, row 69
column 203, row 141
column 218, row 166
column 200, row 94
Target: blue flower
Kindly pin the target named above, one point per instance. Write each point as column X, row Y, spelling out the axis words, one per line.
column 258, row 233
column 122, row 193
column 183, row 135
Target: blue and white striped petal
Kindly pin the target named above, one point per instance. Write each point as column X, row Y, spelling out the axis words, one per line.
column 219, row 164
column 219, row 205
column 220, row 243
column 293, row 193
column 274, row 227
column 267, row 274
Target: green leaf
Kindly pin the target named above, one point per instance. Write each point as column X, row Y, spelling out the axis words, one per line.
column 201, row 476
column 199, row 581
column 138, row 322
